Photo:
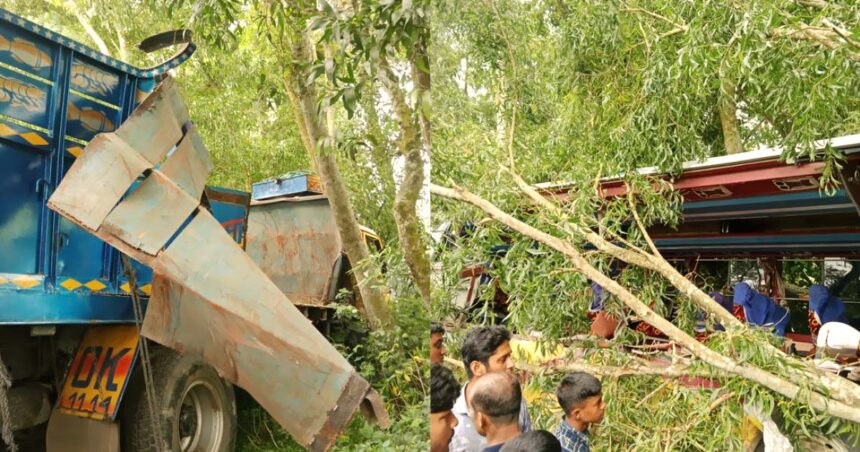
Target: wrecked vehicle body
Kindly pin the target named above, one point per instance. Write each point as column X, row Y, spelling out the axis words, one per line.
column 128, row 176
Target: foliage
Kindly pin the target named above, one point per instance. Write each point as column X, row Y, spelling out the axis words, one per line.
column 595, row 89
column 669, row 405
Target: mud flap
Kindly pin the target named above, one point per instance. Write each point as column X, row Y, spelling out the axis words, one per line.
column 70, row 433
column 209, row 297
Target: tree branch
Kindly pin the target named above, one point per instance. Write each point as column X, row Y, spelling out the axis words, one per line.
column 85, row 22
column 628, row 370
column 679, row 27
column 515, row 101
column 639, row 223
column 639, row 259
column 840, row 388
column 755, row 374
column 822, row 36
column 713, row 406
column 375, row 306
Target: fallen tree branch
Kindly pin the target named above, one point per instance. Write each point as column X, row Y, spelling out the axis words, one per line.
column 820, row 4
column 652, row 393
column 614, row 371
column 641, row 225
column 826, row 37
column 773, row 382
column 840, row 388
column 638, row 258
column 679, row 27
column 713, row 406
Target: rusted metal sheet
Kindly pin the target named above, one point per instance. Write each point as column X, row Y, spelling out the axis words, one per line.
column 209, row 297
column 142, row 221
column 156, row 125
column 256, row 345
column 296, row 244
column 189, row 165
column 102, row 176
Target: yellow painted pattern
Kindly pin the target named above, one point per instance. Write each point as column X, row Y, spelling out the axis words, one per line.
column 34, row 138
column 3, row 280
column 95, row 285
column 93, row 120
column 75, row 150
column 25, row 52
column 750, row 428
column 70, row 284
column 31, row 137
column 26, row 282
column 146, row 288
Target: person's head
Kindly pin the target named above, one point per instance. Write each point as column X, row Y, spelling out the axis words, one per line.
column 536, row 441
column 444, row 391
column 494, row 401
column 486, row 349
column 581, row 398
column 437, row 343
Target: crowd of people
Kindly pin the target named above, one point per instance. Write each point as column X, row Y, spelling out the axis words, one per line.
column 488, row 413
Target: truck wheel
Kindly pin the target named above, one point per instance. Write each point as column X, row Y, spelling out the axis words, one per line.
column 197, row 408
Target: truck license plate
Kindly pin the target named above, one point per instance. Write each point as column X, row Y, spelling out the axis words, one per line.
column 100, row 372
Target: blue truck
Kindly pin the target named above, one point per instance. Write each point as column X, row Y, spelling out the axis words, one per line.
column 69, row 336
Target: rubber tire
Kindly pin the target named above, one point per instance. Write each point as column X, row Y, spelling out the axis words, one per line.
column 172, row 374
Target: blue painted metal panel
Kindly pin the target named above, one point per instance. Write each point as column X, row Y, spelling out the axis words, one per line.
column 37, row 307
column 87, row 118
column 793, row 242
column 292, row 184
column 25, row 98
column 80, row 255
column 18, row 49
column 806, row 203
column 22, row 178
column 232, row 219
column 52, row 87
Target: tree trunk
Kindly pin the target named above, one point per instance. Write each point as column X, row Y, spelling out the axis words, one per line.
column 322, row 151
column 408, row 224
column 728, row 117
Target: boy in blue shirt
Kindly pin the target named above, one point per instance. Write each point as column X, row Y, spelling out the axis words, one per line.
column 581, row 398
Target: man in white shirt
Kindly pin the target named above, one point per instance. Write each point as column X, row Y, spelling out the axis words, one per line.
column 484, row 350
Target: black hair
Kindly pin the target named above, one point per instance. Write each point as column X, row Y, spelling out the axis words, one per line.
column 436, row 328
column 575, row 388
column 444, row 389
column 480, row 344
column 536, row 441
column 498, row 396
